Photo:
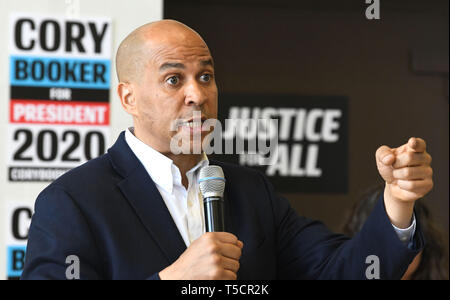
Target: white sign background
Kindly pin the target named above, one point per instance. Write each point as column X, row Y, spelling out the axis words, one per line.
column 125, row 16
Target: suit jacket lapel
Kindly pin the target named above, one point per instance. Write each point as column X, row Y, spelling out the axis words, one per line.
column 140, row 190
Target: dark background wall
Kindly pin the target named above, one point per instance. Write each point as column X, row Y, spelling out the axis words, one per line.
column 394, row 72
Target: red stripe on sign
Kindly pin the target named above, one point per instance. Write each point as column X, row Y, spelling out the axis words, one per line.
column 58, row 112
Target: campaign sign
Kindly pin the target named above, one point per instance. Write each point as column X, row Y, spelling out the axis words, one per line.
column 59, row 70
column 18, row 220
column 308, row 151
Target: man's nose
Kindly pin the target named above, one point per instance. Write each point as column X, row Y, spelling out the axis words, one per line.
column 195, row 94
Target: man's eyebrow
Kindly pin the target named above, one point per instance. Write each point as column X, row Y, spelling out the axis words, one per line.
column 170, row 65
column 207, row 62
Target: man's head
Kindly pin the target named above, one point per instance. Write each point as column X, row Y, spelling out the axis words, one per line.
column 165, row 72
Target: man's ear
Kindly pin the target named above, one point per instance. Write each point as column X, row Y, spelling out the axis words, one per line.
column 127, row 98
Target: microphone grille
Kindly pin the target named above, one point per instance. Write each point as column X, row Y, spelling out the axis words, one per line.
column 211, row 181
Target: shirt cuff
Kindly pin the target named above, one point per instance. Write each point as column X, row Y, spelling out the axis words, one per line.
column 406, row 235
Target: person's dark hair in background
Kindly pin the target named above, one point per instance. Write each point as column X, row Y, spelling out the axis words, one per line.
column 431, row 263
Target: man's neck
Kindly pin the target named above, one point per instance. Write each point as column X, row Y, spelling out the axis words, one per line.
column 184, row 162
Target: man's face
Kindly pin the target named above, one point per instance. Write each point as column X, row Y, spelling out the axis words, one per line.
column 177, row 79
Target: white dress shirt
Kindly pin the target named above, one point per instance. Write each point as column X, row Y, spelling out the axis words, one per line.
column 406, row 235
column 185, row 206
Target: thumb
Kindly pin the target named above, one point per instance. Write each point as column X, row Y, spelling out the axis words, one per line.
column 385, row 158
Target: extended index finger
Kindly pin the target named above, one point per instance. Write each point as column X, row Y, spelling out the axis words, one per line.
column 416, row 144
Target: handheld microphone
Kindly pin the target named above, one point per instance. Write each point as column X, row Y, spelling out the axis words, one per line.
column 212, row 185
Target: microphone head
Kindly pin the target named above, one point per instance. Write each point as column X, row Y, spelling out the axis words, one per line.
column 211, row 181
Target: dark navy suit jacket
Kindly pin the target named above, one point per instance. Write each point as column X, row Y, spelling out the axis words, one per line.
column 109, row 213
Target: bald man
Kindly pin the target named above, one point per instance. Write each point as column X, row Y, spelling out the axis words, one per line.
column 136, row 212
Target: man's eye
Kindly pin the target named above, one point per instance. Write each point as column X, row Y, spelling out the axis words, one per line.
column 173, row 80
column 205, row 77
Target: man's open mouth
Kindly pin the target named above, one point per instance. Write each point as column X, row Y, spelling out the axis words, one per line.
column 194, row 125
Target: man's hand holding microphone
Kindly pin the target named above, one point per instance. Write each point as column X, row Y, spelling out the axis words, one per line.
column 215, row 255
